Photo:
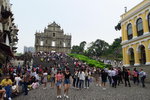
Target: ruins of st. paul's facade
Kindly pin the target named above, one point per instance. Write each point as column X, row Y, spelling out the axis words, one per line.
column 52, row 39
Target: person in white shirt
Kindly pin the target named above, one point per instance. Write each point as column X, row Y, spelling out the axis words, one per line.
column 114, row 77
column 81, row 76
column 33, row 73
column 110, row 76
column 52, row 80
column 142, row 75
column 17, row 80
column 37, row 78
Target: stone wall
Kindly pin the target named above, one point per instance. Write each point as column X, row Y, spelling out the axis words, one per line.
column 146, row 69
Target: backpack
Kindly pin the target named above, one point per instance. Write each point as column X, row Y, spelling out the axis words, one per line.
column 135, row 74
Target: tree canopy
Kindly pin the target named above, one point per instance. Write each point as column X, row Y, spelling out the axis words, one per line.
column 100, row 48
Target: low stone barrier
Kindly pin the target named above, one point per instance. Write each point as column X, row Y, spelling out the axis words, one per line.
column 145, row 68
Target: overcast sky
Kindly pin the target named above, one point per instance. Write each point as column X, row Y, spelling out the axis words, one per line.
column 85, row 20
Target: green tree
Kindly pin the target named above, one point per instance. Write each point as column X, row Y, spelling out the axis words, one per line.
column 76, row 49
column 98, row 48
column 115, row 50
column 82, row 47
column 90, row 50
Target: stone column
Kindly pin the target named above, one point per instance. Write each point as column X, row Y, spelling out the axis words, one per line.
column 136, row 56
column 127, row 62
column 125, row 33
column 123, row 52
column 134, row 30
column 123, row 29
column 147, row 51
column 145, row 23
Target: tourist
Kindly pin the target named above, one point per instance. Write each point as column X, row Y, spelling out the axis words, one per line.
column 120, row 76
column 87, row 79
column 45, row 74
column 7, row 84
column 126, row 74
column 37, row 77
column 104, row 75
column 25, row 83
column 81, row 76
column 135, row 76
column 17, row 80
column 18, row 70
column 2, row 93
column 52, row 79
column 58, row 80
column 75, row 79
column 114, row 78
column 110, row 76
column 97, row 77
column 142, row 75
column 129, row 72
column 67, row 82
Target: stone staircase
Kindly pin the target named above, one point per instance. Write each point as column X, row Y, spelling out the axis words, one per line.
column 37, row 61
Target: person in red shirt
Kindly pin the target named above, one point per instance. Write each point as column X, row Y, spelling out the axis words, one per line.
column 135, row 76
column 59, row 78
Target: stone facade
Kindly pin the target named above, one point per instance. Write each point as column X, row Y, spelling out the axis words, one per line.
column 52, row 39
column 135, row 26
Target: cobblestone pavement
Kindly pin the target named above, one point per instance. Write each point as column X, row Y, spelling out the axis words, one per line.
column 93, row 93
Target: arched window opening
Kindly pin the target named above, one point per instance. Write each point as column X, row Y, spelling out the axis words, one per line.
column 41, row 43
column 53, row 44
column 142, row 54
column 139, row 26
column 129, row 31
column 64, row 44
column 149, row 21
column 131, row 56
column 53, row 34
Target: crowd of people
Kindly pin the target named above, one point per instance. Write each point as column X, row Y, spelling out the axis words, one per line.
column 20, row 79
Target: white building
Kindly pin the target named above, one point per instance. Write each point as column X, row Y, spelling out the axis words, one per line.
column 8, row 31
column 29, row 49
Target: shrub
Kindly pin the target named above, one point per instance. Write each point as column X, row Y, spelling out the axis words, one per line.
column 90, row 62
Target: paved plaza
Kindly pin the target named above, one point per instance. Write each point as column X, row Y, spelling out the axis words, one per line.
column 93, row 93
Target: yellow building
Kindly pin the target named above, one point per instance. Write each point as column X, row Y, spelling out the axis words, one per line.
column 135, row 27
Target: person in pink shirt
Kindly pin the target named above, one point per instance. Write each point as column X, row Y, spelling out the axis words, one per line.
column 58, row 78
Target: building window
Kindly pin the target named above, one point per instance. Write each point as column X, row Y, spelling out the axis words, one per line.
column 64, row 44
column 41, row 43
column 53, row 44
column 129, row 31
column 53, row 34
column 149, row 21
column 139, row 26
